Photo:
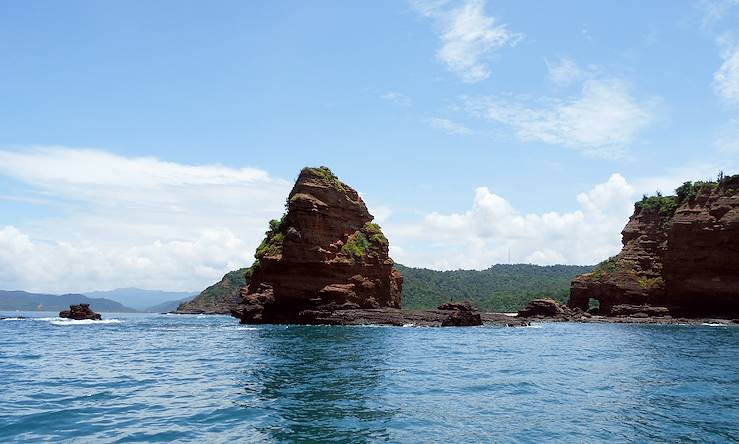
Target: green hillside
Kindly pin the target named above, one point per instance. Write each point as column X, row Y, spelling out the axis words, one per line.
column 502, row 288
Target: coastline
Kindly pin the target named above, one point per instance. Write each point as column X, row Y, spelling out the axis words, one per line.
column 434, row 318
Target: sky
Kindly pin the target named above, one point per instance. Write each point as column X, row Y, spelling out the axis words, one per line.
column 147, row 144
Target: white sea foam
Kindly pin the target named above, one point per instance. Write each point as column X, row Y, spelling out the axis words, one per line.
column 409, row 325
column 65, row 322
column 14, row 319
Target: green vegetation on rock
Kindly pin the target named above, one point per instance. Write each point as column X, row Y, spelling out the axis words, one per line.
column 665, row 206
column 328, row 177
column 356, row 245
column 375, row 233
column 367, row 242
column 502, row 288
column 612, row 265
column 272, row 243
column 219, row 296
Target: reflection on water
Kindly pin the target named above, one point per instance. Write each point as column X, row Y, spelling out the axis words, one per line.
column 319, row 383
column 207, row 379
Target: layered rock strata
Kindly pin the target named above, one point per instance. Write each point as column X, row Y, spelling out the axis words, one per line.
column 680, row 257
column 325, row 254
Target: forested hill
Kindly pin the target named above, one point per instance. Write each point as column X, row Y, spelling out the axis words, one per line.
column 502, row 288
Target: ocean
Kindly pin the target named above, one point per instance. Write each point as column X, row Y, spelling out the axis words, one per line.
column 162, row 378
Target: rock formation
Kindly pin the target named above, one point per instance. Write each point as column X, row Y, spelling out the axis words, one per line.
column 543, row 307
column 680, row 257
column 219, row 298
column 324, row 254
column 461, row 314
column 80, row 312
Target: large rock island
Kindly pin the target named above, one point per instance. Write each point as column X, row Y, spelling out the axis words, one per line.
column 325, row 254
column 680, row 257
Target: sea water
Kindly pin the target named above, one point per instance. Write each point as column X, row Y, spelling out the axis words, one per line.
column 149, row 378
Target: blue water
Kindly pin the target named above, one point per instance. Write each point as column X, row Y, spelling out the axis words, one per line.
column 145, row 378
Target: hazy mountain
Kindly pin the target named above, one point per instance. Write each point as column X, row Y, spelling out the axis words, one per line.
column 24, row 301
column 168, row 306
column 142, row 300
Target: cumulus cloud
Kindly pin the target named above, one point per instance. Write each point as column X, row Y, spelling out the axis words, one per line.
column 449, row 126
column 132, row 221
column 602, row 121
column 468, row 36
column 484, row 234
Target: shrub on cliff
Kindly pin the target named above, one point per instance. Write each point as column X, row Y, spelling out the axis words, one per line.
column 369, row 241
column 272, row 243
column 328, row 177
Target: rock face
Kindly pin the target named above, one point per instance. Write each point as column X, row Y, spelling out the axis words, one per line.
column 324, row 254
column 461, row 314
column 219, row 298
column 80, row 312
column 543, row 307
column 680, row 256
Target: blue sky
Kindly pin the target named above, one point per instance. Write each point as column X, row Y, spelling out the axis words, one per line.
column 147, row 143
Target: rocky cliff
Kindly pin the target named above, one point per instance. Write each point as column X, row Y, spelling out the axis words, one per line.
column 680, row 254
column 324, row 254
column 219, row 298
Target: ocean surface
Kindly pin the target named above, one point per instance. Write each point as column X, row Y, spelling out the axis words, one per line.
column 154, row 378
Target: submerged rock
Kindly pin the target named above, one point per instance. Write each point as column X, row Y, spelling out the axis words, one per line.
column 80, row 312
column 324, row 254
column 680, row 256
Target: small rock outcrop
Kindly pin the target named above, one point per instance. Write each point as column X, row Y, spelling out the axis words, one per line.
column 544, row 308
column 462, row 314
column 219, row 298
column 324, row 254
column 680, row 257
column 80, row 312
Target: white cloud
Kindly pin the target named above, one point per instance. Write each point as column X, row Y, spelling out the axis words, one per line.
column 601, row 122
column 726, row 79
column 563, row 71
column 397, row 98
column 133, row 221
column 449, row 127
column 468, row 36
column 484, row 234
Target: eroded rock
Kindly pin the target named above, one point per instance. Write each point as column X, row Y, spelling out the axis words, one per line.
column 680, row 255
column 323, row 254
column 80, row 312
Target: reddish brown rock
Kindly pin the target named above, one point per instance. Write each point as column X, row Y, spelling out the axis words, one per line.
column 680, row 253
column 80, row 312
column 543, row 307
column 461, row 314
column 325, row 253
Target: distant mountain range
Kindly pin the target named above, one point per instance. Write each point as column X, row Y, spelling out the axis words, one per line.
column 121, row 300
column 144, row 300
column 24, row 301
column 499, row 288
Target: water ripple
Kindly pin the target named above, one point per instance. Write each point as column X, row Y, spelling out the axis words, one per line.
column 156, row 378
